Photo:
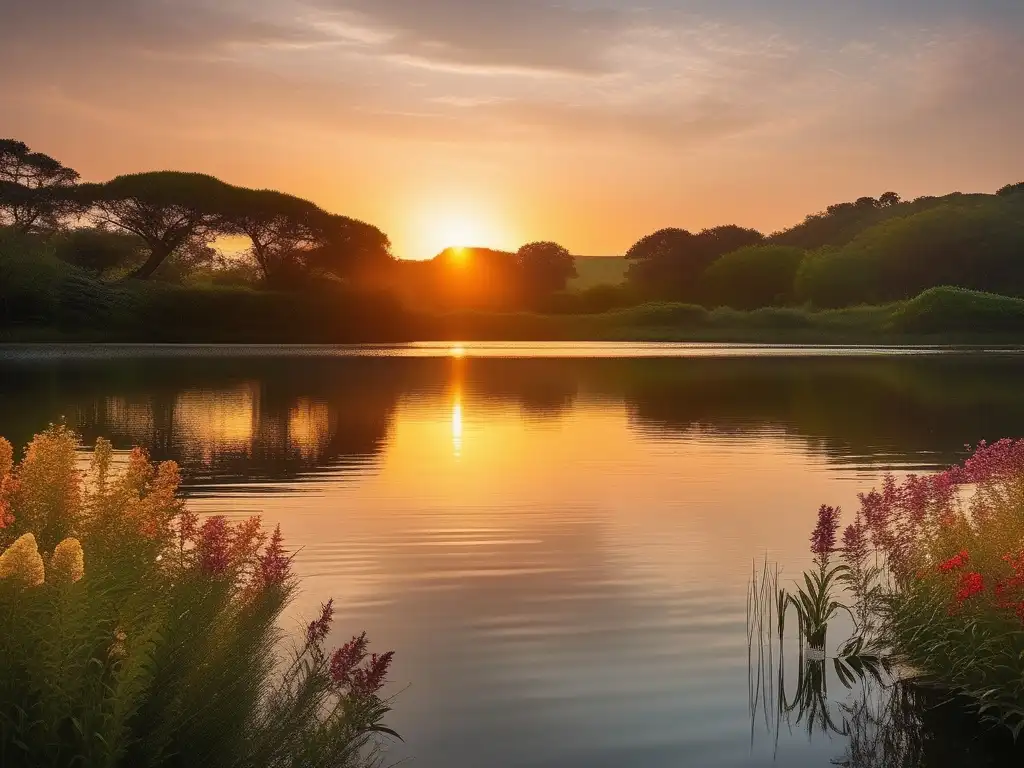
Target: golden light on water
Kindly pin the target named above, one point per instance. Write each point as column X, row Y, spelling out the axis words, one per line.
column 457, row 425
column 458, row 351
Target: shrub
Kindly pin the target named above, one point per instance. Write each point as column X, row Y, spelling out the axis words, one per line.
column 134, row 633
column 660, row 314
column 950, row 310
column 753, row 277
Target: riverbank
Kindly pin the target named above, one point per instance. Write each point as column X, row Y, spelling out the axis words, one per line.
column 168, row 314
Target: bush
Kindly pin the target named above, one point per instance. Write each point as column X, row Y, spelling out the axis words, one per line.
column 955, row 310
column 758, row 276
column 660, row 315
column 132, row 633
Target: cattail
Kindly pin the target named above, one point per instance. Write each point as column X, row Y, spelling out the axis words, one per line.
column 23, row 563
column 68, row 562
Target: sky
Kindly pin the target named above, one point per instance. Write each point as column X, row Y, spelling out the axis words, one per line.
column 499, row 122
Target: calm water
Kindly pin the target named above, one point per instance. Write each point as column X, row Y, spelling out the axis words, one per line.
column 556, row 541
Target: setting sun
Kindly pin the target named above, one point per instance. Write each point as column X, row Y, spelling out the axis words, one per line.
column 459, row 224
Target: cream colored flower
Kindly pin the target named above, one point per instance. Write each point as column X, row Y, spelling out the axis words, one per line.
column 23, row 562
column 68, row 562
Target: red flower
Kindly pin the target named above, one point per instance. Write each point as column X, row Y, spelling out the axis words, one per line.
column 957, row 561
column 347, row 658
column 367, row 681
column 970, row 585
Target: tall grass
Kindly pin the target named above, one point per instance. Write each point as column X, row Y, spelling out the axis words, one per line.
column 134, row 634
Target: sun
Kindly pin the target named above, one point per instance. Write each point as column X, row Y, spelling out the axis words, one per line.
column 457, row 224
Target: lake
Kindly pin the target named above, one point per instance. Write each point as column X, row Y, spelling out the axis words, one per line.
column 556, row 540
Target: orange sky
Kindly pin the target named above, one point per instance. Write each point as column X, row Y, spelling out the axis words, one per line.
column 471, row 122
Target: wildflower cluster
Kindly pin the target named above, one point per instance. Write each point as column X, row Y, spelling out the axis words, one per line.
column 946, row 590
column 114, row 596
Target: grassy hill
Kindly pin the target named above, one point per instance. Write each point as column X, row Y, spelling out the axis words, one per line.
column 597, row 270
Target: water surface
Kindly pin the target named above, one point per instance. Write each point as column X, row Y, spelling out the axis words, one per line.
column 556, row 540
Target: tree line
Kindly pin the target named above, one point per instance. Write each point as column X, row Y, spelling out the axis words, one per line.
column 142, row 225
column 869, row 251
column 145, row 220
column 163, row 224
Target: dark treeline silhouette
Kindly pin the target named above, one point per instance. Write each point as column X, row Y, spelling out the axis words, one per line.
column 142, row 258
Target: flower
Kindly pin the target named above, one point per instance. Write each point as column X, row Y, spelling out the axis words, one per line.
column 214, row 545
column 970, row 585
column 367, row 681
column 823, row 539
column 318, row 629
column 22, row 562
column 957, row 561
column 68, row 562
column 274, row 565
column 347, row 658
column 855, row 541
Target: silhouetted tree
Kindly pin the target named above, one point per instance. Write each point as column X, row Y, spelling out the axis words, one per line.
column 349, row 247
column 888, row 200
column 33, row 188
column 166, row 209
column 545, row 267
column 668, row 263
column 1011, row 189
column 282, row 230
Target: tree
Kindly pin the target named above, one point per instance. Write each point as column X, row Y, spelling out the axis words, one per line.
column 545, row 267
column 282, row 230
column 348, row 247
column 33, row 187
column 888, row 200
column 1011, row 189
column 753, row 277
column 668, row 263
column 166, row 209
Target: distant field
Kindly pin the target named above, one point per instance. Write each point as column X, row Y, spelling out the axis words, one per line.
column 595, row 270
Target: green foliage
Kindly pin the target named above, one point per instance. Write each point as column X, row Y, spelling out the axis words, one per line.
column 98, row 251
column 752, row 277
column 946, row 309
column 974, row 246
column 668, row 264
column 160, row 647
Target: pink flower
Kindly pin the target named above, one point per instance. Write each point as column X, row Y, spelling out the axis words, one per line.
column 347, row 658
column 318, row 629
column 274, row 565
column 369, row 680
column 823, row 539
column 214, row 546
column 855, row 541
